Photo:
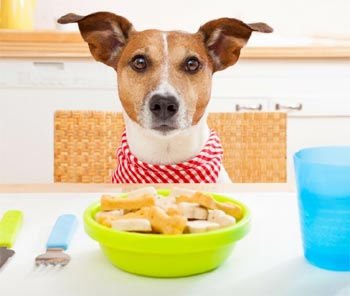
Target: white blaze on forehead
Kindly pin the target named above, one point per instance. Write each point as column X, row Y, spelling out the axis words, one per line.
column 164, row 85
column 165, row 71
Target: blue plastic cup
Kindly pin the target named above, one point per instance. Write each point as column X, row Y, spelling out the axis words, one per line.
column 323, row 184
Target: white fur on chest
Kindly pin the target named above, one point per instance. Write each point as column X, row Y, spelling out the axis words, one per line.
column 178, row 148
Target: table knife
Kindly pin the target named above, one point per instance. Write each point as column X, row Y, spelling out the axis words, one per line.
column 9, row 227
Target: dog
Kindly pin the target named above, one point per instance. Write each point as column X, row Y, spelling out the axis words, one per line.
column 164, row 85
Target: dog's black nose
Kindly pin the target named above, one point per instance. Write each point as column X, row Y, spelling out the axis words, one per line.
column 163, row 107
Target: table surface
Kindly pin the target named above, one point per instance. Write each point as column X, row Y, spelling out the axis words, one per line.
column 268, row 261
column 108, row 187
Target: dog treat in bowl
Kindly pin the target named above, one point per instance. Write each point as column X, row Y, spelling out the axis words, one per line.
column 109, row 202
column 193, row 211
column 209, row 202
column 136, row 224
column 183, row 211
column 198, row 226
column 170, row 238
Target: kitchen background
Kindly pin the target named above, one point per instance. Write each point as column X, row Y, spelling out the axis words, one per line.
column 295, row 18
column 303, row 67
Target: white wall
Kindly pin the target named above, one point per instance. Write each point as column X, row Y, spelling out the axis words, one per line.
column 292, row 17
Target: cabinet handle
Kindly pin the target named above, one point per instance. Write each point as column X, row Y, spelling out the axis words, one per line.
column 298, row 107
column 49, row 65
column 256, row 107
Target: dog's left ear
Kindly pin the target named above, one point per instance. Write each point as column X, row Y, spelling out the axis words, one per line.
column 105, row 32
column 225, row 37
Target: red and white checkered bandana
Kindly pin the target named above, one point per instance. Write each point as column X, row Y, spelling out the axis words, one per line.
column 204, row 168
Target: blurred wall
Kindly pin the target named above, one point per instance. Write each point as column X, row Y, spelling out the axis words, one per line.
column 293, row 17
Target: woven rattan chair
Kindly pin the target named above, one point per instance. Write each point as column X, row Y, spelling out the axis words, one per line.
column 85, row 145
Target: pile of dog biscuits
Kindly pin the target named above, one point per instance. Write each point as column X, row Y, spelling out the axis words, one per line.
column 183, row 211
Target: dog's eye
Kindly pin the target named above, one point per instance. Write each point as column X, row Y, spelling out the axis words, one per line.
column 139, row 63
column 192, row 65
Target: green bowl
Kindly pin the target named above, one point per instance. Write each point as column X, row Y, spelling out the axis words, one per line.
column 158, row 255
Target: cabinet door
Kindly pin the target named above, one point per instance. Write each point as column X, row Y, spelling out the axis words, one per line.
column 303, row 132
column 26, row 128
column 30, row 92
column 231, row 104
column 312, row 106
column 313, row 121
column 56, row 74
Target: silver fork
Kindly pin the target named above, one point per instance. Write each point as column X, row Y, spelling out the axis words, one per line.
column 58, row 242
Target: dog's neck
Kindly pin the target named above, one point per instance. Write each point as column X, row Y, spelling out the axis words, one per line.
column 156, row 149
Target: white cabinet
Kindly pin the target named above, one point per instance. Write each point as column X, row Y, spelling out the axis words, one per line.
column 315, row 93
column 30, row 92
column 315, row 131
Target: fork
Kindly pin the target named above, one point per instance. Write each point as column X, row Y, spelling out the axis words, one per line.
column 58, row 242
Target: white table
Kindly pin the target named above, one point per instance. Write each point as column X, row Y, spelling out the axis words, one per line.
column 268, row 261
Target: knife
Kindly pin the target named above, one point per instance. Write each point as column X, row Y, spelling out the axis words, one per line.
column 9, row 227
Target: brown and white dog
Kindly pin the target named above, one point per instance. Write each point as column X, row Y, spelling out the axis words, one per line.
column 164, row 83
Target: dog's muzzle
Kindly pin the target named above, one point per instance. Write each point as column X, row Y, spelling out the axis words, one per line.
column 163, row 110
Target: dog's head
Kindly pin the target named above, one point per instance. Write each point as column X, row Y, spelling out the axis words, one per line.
column 164, row 78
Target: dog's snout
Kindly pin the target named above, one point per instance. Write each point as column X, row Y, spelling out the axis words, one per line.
column 163, row 107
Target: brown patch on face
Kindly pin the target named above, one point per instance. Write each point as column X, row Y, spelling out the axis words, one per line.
column 134, row 86
column 194, row 88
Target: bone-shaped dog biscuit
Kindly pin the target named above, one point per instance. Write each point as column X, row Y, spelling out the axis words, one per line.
column 229, row 208
column 209, row 202
column 143, row 213
column 142, row 191
column 113, row 213
column 193, row 211
column 177, row 191
column 173, row 211
column 163, row 223
column 165, row 202
column 106, row 220
column 221, row 218
column 139, row 225
column 109, row 202
column 202, row 199
column 199, row 226
column 160, row 221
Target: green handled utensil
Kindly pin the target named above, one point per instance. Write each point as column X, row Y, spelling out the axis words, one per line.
column 9, row 227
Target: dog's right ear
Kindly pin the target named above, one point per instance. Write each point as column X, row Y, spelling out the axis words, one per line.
column 105, row 32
